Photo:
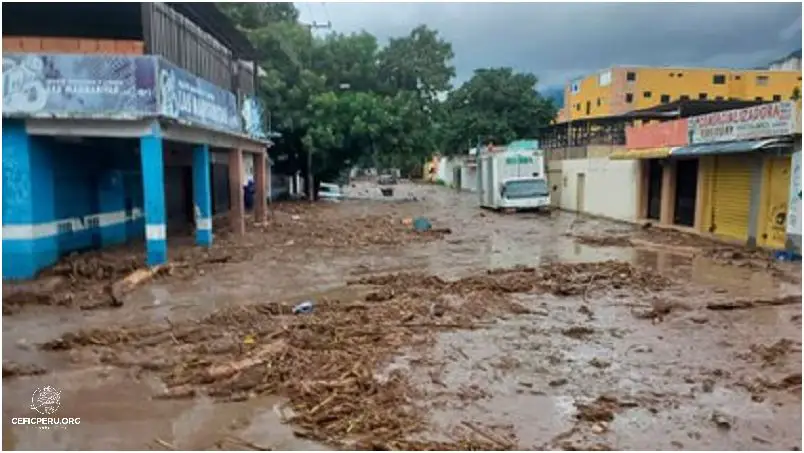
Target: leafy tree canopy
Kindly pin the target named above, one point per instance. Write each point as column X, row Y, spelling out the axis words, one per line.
column 349, row 100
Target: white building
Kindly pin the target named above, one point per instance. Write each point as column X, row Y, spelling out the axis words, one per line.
column 791, row 62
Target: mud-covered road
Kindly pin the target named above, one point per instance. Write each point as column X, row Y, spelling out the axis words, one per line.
column 500, row 331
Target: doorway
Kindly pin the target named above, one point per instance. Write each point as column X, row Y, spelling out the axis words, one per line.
column 654, row 189
column 686, row 189
column 580, row 192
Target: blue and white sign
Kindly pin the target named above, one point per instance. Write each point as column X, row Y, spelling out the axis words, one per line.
column 253, row 117
column 195, row 101
column 78, row 86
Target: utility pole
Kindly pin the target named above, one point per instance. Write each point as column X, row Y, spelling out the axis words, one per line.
column 312, row 26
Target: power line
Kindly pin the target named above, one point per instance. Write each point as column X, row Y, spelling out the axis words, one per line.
column 326, row 12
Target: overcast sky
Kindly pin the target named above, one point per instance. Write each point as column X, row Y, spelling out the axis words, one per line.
column 561, row 41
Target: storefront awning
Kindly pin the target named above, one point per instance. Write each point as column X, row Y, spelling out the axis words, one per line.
column 743, row 146
column 644, row 153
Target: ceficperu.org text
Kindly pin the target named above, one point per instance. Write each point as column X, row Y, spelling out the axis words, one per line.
column 45, row 421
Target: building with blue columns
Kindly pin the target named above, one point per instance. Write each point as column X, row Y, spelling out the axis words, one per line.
column 114, row 131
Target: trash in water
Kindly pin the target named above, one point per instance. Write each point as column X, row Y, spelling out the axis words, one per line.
column 407, row 221
column 304, row 307
column 420, row 224
column 783, row 255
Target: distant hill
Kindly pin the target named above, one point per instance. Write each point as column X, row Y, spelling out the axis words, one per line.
column 555, row 94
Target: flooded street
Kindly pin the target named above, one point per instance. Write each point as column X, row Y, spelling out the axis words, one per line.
column 668, row 342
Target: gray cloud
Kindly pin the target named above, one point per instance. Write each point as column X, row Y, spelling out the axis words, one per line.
column 559, row 41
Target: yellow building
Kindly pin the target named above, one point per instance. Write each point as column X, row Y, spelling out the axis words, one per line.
column 619, row 90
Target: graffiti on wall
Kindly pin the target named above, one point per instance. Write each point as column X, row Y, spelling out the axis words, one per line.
column 794, row 202
column 193, row 100
column 78, row 85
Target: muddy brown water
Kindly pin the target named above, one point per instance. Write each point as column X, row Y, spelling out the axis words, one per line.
column 674, row 374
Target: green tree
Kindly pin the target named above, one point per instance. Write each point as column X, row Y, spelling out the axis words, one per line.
column 347, row 100
column 496, row 105
column 250, row 16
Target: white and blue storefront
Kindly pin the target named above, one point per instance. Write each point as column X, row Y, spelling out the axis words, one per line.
column 86, row 141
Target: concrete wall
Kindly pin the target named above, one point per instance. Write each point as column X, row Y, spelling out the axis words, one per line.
column 582, row 152
column 669, row 133
column 469, row 178
column 609, row 187
column 64, row 196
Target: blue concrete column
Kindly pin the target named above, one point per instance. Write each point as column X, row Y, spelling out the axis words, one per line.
column 202, row 195
column 153, row 182
column 112, row 204
column 29, row 228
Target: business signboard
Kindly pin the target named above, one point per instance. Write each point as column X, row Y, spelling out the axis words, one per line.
column 78, row 86
column 253, row 117
column 195, row 101
column 767, row 120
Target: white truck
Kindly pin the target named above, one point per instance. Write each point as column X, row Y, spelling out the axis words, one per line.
column 513, row 179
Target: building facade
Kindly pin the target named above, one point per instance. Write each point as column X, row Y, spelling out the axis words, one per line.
column 622, row 89
column 124, row 128
column 733, row 174
column 791, row 62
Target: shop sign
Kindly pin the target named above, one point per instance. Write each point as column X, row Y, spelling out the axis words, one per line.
column 78, row 86
column 198, row 102
column 767, row 120
column 794, row 203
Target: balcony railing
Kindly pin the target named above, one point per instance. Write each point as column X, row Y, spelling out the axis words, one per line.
column 122, row 87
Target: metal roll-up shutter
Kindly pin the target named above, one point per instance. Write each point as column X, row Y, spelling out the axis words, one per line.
column 731, row 197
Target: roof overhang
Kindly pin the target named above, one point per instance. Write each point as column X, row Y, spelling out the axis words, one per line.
column 644, row 153
column 743, row 146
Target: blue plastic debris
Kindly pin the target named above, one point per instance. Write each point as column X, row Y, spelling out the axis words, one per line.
column 304, row 307
column 420, row 224
column 784, row 255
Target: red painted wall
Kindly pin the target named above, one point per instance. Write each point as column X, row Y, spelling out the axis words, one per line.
column 669, row 133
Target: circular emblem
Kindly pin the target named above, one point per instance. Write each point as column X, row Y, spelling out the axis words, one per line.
column 46, row 400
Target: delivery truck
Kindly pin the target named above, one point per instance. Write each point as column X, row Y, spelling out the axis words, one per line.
column 513, row 178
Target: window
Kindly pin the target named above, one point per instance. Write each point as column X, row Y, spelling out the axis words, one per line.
column 630, row 76
column 665, row 98
column 737, row 77
column 578, row 107
column 604, row 79
column 719, row 98
column 647, row 94
column 575, row 87
column 680, row 75
column 598, row 102
column 777, row 97
column 684, row 97
column 762, row 80
column 629, row 98
column 588, row 107
column 702, row 96
column 719, row 79
column 758, row 98
column 672, row 74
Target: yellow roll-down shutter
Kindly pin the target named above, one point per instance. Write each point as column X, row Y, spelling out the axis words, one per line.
column 731, row 197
